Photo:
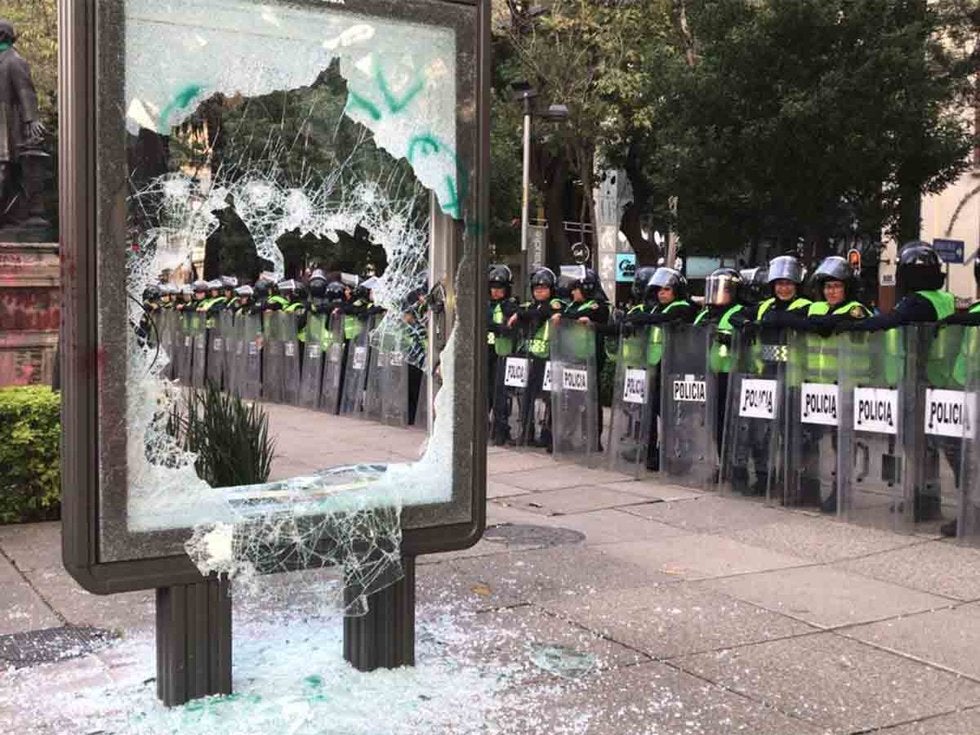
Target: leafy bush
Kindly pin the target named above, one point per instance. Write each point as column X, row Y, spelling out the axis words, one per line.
column 229, row 436
column 30, row 469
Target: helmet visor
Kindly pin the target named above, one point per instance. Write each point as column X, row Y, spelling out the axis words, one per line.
column 719, row 290
column 785, row 268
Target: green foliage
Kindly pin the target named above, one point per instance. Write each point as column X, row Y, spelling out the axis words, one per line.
column 30, row 470
column 230, row 437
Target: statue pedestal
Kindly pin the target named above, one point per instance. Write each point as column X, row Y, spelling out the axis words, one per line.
column 30, row 298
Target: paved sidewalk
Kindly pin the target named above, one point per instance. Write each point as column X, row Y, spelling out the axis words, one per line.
column 743, row 618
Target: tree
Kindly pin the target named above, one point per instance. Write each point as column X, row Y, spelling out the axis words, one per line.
column 821, row 121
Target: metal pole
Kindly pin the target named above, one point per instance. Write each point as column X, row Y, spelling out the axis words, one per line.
column 526, row 200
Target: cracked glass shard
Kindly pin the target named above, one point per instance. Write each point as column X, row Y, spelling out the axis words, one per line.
column 254, row 128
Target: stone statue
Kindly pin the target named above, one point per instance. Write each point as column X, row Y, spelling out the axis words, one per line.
column 21, row 136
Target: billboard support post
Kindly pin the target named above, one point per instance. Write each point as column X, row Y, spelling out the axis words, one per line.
column 384, row 637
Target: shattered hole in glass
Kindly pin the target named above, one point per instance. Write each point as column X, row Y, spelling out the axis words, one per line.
column 258, row 127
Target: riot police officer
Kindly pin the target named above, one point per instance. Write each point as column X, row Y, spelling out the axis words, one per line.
column 726, row 310
column 243, row 299
column 500, row 343
column 665, row 301
column 535, row 321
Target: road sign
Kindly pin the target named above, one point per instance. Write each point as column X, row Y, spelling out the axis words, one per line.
column 951, row 251
column 136, row 97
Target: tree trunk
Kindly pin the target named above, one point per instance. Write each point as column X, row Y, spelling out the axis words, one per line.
column 646, row 251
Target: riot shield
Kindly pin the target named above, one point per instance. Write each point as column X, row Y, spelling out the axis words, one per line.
column 394, row 380
column 217, row 339
column 292, row 357
column 632, row 405
column 811, row 421
column 312, row 373
column 185, row 348
column 750, row 443
column 273, row 355
column 356, row 371
column 512, row 393
column 688, row 407
column 332, row 343
column 575, row 395
column 967, row 373
column 200, row 368
column 936, row 423
column 375, row 366
column 234, row 353
column 253, row 342
column 873, row 478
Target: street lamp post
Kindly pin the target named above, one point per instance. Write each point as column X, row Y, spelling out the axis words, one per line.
column 526, row 94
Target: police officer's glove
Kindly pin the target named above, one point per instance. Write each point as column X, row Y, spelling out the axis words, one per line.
column 627, row 329
column 723, row 338
column 750, row 330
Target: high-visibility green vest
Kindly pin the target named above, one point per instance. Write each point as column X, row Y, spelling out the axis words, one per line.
column 821, row 352
column 766, row 305
column 720, row 355
column 756, row 349
column 969, row 350
column 539, row 345
column 944, row 347
column 655, row 340
column 502, row 345
column 280, row 300
column 205, row 306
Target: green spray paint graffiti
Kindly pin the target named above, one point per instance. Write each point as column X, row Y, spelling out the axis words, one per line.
column 180, row 102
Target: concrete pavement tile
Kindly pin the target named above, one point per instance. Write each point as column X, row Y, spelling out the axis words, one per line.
column 652, row 699
column 818, row 539
column 960, row 723
column 613, row 526
column 530, row 576
column 511, row 461
column 572, row 500
column 666, row 621
column 654, row 490
column 834, row 682
column 32, row 545
column 497, row 489
column 710, row 513
column 512, row 636
column 700, row 556
column 127, row 611
column 555, row 477
column 826, row 597
column 939, row 567
column 949, row 638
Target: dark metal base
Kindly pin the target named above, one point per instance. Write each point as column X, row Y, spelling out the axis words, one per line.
column 193, row 641
column 384, row 637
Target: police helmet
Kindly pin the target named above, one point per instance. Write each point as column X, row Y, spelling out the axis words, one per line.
column 754, row 285
column 667, row 278
column 786, row 268
column 152, row 292
column 215, row 284
column 722, row 287
column 640, row 281
column 588, row 284
column 335, row 291
column 228, row 282
column 244, row 292
column 318, row 284
column 168, row 290
column 833, row 268
column 200, row 286
column 544, row 277
column 500, row 277
column 919, row 268
column 287, row 288
column 264, row 288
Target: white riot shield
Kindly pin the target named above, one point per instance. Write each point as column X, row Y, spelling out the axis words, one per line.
column 166, row 326
column 356, row 370
column 688, row 407
column 234, row 354
column 874, row 482
column 292, row 357
column 936, row 423
column 575, row 398
column 811, row 421
column 309, row 390
column 253, row 342
column 375, row 367
column 632, row 405
column 750, row 445
column 512, row 394
column 333, row 346
column 967, row 373
column 273, row 354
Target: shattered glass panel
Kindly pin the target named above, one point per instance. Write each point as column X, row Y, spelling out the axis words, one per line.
column 276, row 143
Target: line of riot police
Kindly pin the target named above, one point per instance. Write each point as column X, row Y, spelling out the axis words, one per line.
column 760, row 391
column 305, row 344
